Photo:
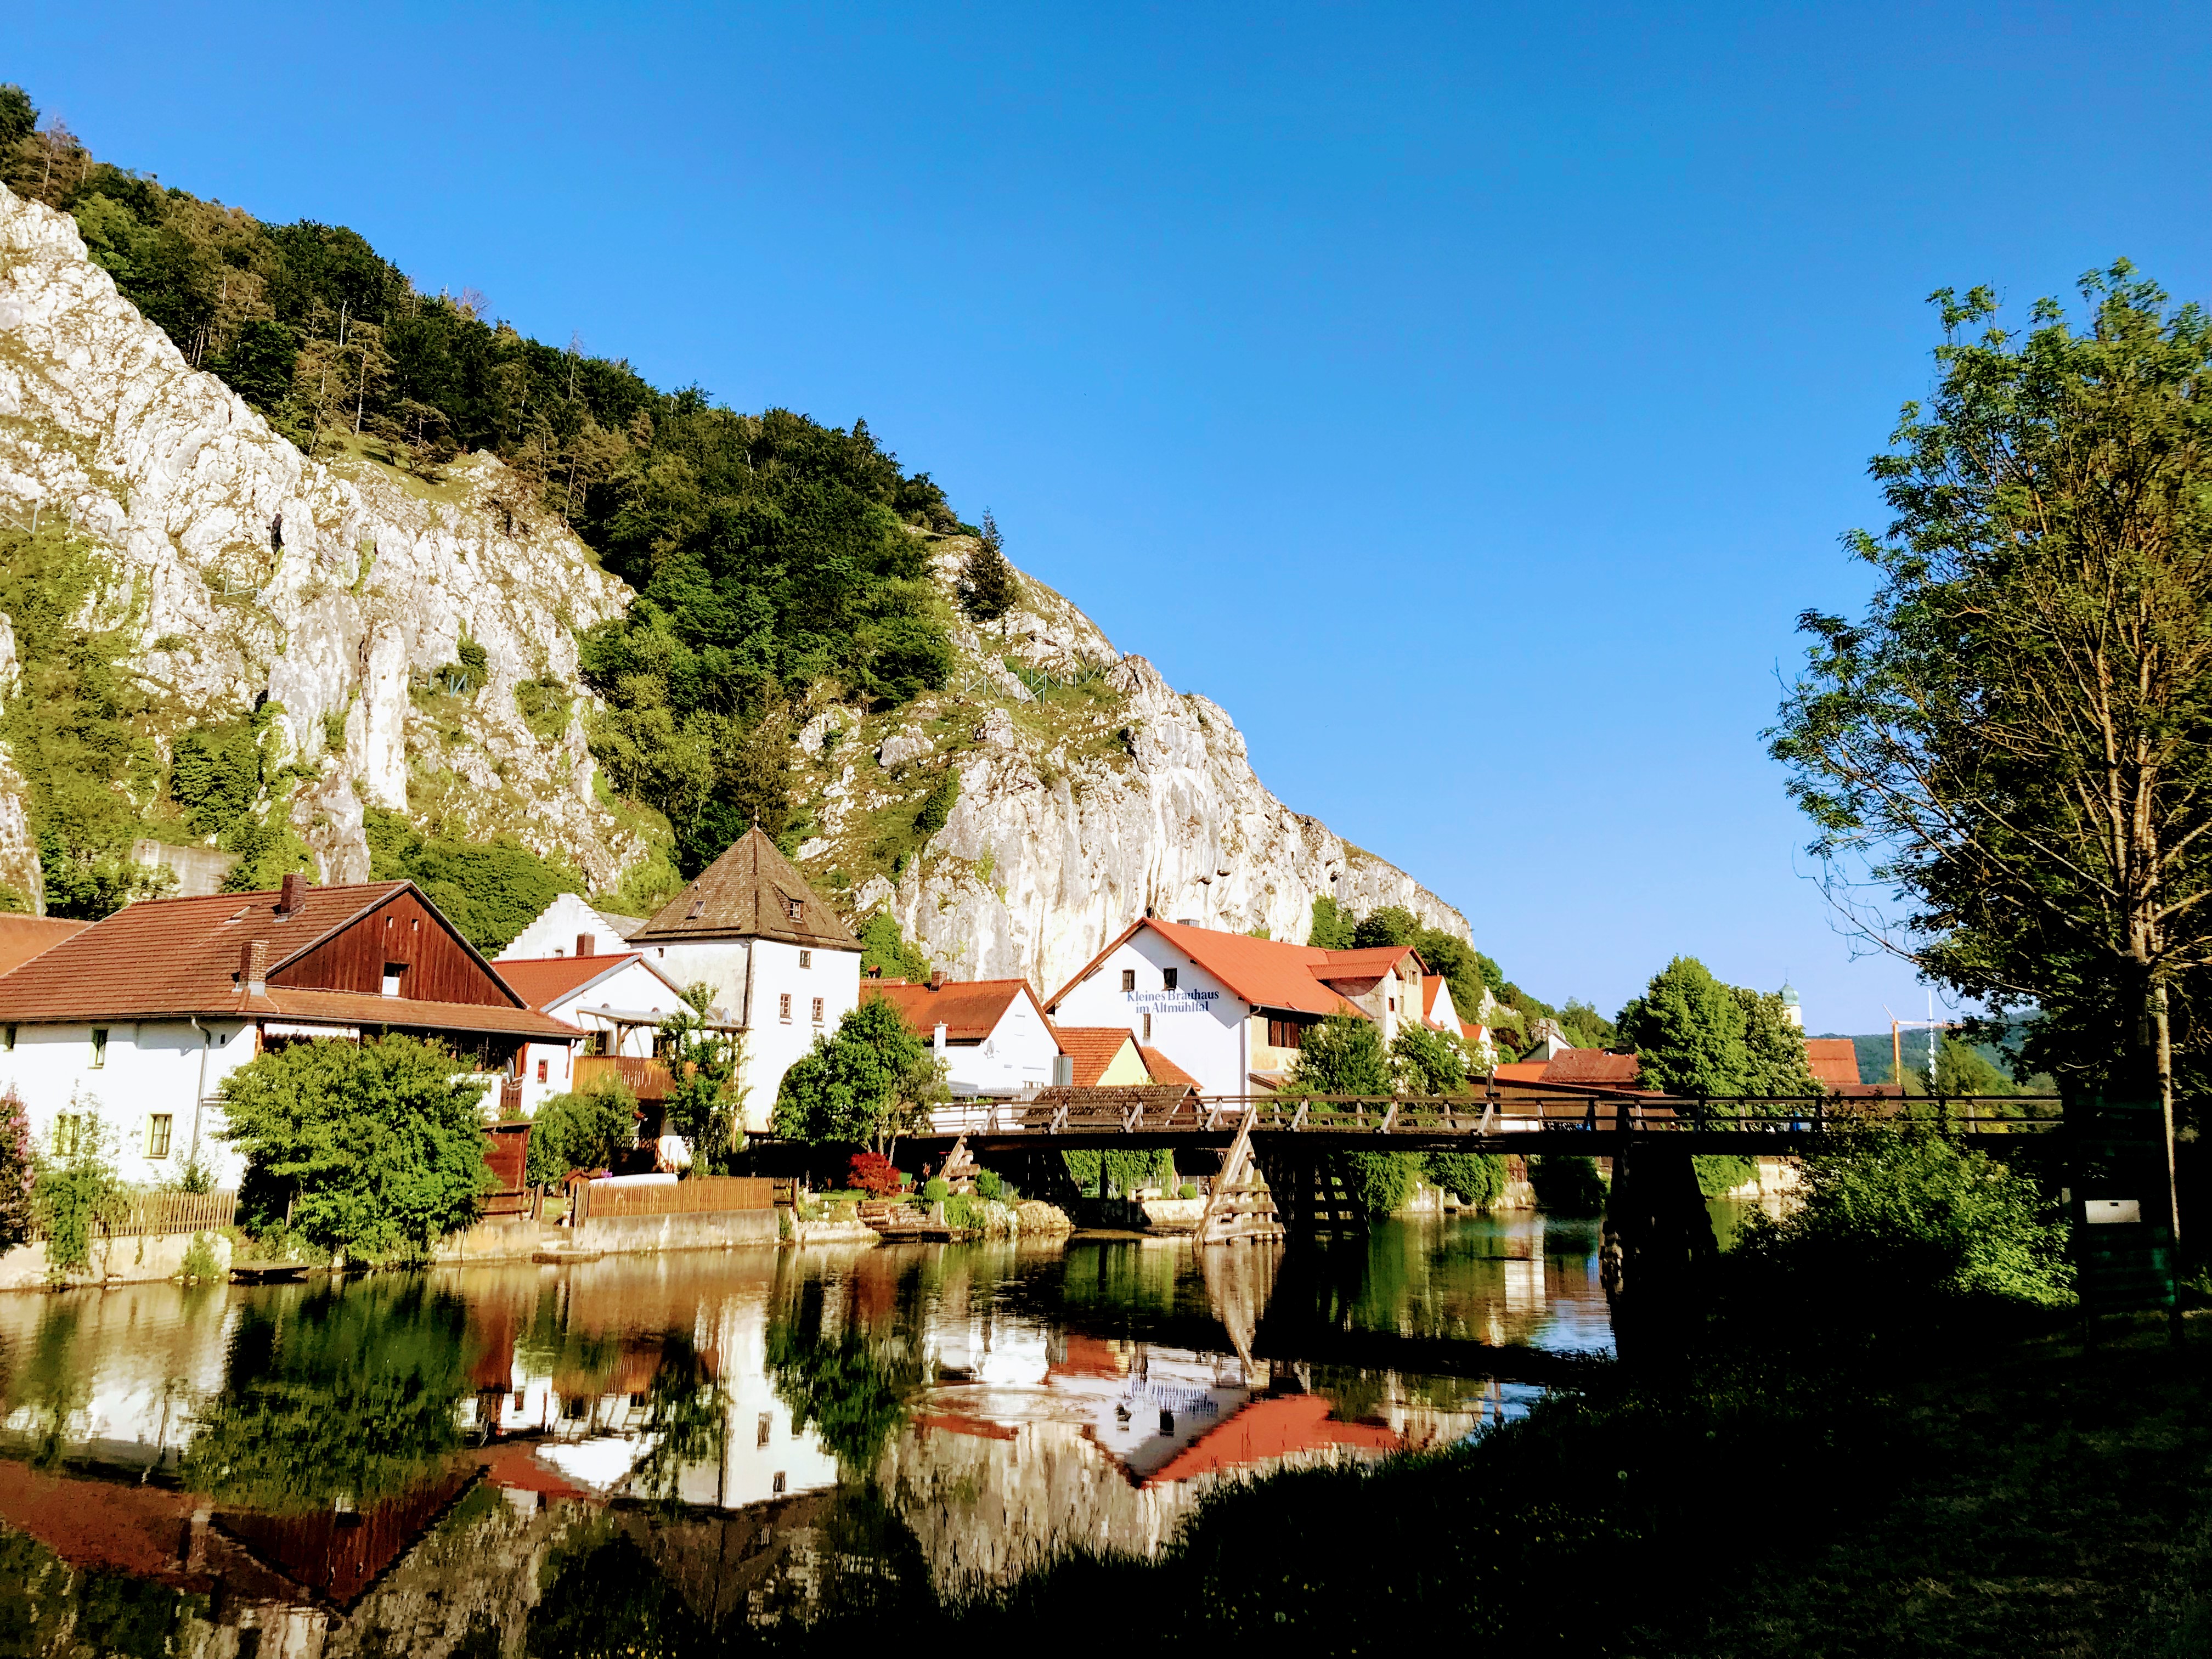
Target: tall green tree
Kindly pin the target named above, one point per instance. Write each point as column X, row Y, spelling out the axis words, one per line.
column 1393, row 924
column 1332, row 926
column 367, row 1147
column 866, row 1083
column 989, row 586
column 706, row 1105
column 886, row 950
column 1688, row 1028
column 1425, row 1062
column 2016, row 737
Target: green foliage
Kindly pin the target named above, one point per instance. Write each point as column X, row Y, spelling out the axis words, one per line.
column 1342, row 1055
column 1112, row 1174
column 1722, row 1172
column 1332, row 927
column 373, row 1148
column 1960, row 1069
column 545, row 703
column 266, row 854
column 1567, row 1184
column 1586, row 1028
column 990, row 1184
column 1905, row 1219
column 349, row 1391
column 989, row 587
column 215, row 771
column 1380, row 1183
column 936, row 807
column 71, row 727
column 1393, row 924
column 885, row 949
column 850, row 1389
column 1478, row 1177
column 866, row 1083
column 19, row 116
column 1461, row 965
column 1426, row 1062
column 936, row 1189
column 2020, row 727
column 202, row 1260
column 705, row 1104
column 77, row 1191
column 489, row 891
column 581, row 1129
column 1698, row 1036
column 19, row 1170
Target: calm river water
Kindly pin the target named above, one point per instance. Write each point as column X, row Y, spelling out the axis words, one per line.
column 439, row 1463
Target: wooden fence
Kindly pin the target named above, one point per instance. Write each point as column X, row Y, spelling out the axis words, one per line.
column 697, row 1196
column 140, row 1215
column 648, row 1079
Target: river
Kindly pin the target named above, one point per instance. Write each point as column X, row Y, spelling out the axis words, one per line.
column 431, row 1463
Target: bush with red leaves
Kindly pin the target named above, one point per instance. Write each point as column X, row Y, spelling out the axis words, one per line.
column 874, row 1172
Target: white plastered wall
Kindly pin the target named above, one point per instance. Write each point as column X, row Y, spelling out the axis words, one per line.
column 1201, row 1024
column 553, row 933
column 1017, row 1057
column 149, row 1068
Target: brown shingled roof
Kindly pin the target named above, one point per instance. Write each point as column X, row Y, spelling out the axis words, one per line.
column 22, row 938
column 750, row 892
column 969, row 1010
column 1592, row 1065
column 177, row 958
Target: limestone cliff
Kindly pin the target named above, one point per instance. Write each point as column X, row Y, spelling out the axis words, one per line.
column 1089, row 791
column 333, row 587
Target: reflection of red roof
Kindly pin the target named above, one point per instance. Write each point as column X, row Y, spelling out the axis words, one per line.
column 959, row 1423
column 1834, row 1061
column 99, row 1523
column 1090, row 1356
column 1276, row 1426
column 1266, row 973
column 1164, row 1069
column 515, row 1463
column 22, row 938
column 340, row 1557
column 1092, row 1047
column 969, row 1010
column 1591, row 1066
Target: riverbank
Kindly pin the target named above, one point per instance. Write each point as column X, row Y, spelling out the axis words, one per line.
column 2038, row 1498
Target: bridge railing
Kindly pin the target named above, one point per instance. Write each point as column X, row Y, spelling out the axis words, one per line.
column 1155, row 1110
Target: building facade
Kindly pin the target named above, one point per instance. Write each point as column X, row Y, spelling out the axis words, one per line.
column 775, row 959
column 991, row 1033
column 616, row 1002
column 569, row 927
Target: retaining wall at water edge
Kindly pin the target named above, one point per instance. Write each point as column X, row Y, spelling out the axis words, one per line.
column 126, row 1261
column 628, row 1235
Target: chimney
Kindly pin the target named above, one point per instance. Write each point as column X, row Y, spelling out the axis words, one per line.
column 936, row 979
column 584, row 944
column 253, row 966
column 287, row 900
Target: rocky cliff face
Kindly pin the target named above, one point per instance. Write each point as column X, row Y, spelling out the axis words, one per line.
column 1088, row 789
column 333, row 587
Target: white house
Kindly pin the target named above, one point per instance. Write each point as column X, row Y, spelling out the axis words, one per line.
column 136, row 1021
column 778, row 961
column 616, row 1002
column 571, row 927
column 1229, row 1010
column 991, row 1033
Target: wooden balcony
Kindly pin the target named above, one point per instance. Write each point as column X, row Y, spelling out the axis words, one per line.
column 648, row 1079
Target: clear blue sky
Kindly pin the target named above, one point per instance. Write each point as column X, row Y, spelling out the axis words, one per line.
column 1466, row 397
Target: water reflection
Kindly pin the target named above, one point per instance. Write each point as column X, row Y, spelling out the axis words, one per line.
column 690, row 1443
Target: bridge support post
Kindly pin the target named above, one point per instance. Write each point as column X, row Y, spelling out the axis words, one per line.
column 1658, row 1240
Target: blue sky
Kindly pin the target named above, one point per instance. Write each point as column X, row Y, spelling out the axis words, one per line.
column 1466, row 397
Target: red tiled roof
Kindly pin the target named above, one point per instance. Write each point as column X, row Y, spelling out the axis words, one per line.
column 1369, row 963
column 1161, row 1069
column 171, row 958
column 1266, row 973
column 1471, row 1032
column 540, row 981
column 22, row 938
column 969, row 1010
column 1521, row 1071
column 1092, row 1047
column 1834, row 1061
column 1590, row 1066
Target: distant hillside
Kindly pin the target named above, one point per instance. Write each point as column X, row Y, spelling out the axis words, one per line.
column 1876, row 1054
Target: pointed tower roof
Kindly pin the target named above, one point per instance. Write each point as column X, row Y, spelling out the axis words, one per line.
column 751, row 891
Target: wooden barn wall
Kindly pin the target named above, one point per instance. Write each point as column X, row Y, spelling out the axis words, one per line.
column 403, row 930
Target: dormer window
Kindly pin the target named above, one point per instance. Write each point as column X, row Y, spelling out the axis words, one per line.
column 794, row 908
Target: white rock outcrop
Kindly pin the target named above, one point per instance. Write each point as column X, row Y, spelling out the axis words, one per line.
column 332, row 587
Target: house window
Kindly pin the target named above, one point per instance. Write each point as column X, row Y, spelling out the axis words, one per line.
column 1391, row 1003
column 1284, row 1034
column 158, row 1127
column 1168, row 979
column 776, row 1485
column 1148, row 1028
column 395, row 977
column 99, row 1045
column 783, row 1007
column 818, row 1011
column 794, row 908
column 11, row 1039
column 543, row 1066
column 761, row 1433
column 1128, row 979
column 806, row 958
column 67, row 1128
column 698, row 909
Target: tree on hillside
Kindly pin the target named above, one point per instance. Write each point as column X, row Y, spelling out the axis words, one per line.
column 1331, row 926
column 1585, row 1027
column 886, row 950
column 989, row 584
column 866, row 1084
column 2016, row 738
column 1394, row 924
column 367, row 1147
